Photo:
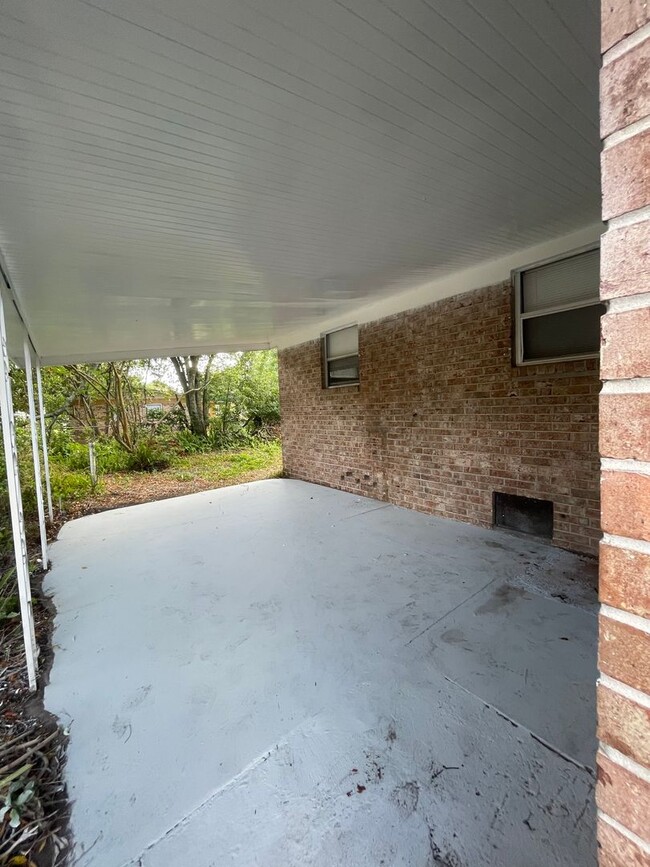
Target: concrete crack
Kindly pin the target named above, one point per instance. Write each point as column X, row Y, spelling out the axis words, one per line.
column 514, row 722
column 451, row 611
column 173, row 829
column 358, row 514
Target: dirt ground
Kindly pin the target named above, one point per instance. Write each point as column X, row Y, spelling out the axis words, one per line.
column 121, row 489
column 201, row 472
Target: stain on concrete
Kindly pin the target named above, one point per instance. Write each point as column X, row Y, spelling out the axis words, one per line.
column 122, row 729
column 138, row 697
column 502, row 596
column 440, row 858
column 406, row 798
column 453, row 636
column 490, row 543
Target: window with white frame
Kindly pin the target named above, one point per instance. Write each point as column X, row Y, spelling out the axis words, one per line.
column 557, row 309
column 341, row 357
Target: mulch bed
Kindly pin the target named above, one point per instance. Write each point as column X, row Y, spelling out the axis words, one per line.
column 149, row 487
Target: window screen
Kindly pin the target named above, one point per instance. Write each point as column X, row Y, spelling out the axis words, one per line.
column 341, row 357
column 557, row 309
column 558, row 283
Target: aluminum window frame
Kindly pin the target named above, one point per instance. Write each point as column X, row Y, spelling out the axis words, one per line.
column 520, row 316
column 325, row 358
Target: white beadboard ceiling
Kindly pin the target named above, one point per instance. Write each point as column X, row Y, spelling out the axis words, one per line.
column 182, row 175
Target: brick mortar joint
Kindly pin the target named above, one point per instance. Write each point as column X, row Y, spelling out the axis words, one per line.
column 624, row 690
column 628, row 544
column 625, row 762
column 619, row 615
column 638, row 127
column 629, row 218
column 625, row 832
column 625, row 45
column 625, row 465
column 639, row 385
column 623, row 303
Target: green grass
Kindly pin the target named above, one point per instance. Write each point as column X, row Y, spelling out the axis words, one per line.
column 220, row 466
column 186, row 473
column 230, row 464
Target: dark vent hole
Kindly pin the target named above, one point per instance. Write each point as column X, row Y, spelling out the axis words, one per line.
column 524, row 515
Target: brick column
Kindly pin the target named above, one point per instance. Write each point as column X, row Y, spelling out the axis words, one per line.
column 623, row 789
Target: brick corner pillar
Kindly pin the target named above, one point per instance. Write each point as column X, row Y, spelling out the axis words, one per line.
column 623, row 787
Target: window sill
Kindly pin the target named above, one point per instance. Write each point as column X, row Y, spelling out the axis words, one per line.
column 561, row 360
column 342, row 385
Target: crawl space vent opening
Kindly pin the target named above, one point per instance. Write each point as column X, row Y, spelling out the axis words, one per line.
column 524, row 515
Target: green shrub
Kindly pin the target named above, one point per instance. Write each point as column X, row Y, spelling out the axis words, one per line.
column 231, row 438
column 147, row 457
column 60, row 442
column 69, row 486
column 111, row 457
column 192, row 444
column 109, row 454
column 76, row 457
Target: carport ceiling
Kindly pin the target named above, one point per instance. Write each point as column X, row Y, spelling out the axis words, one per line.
column 234, row 173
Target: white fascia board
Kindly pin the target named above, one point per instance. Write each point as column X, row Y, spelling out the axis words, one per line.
column 153, row 352
column 477, row 277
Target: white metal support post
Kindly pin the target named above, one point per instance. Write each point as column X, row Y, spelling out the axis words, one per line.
column 16, row 506
column 33, row 429
column 46, row 460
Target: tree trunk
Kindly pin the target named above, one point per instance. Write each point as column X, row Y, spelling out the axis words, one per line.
column 195, row 395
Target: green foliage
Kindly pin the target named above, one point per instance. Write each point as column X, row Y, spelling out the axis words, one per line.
column 76, row 457
column 56, row 388
column 218, row 466
column 166, row 420
column 19, row 794
column 69, row 486
column 24, row 445
column 257, row 457
column 68, row 470
column 191, row 444
column 110, row 456
column 9, row 607
column 147, row 456
column 149, row 453
column 246, row 398
column 9, row 602
column 60, row 442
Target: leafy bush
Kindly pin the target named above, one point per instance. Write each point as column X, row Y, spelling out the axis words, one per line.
column 76, row 457
column 60, row 442
column 147, row 456
column 111, row 457
column 69, row 486
column 24, row 445
column 246, row 398
column 166, row 419
column 191, row 444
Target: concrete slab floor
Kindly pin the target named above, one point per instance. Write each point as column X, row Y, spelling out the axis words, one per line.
column 282, row 674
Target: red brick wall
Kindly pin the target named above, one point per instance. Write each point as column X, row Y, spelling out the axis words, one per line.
column 442, row 419
column 623, row 791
